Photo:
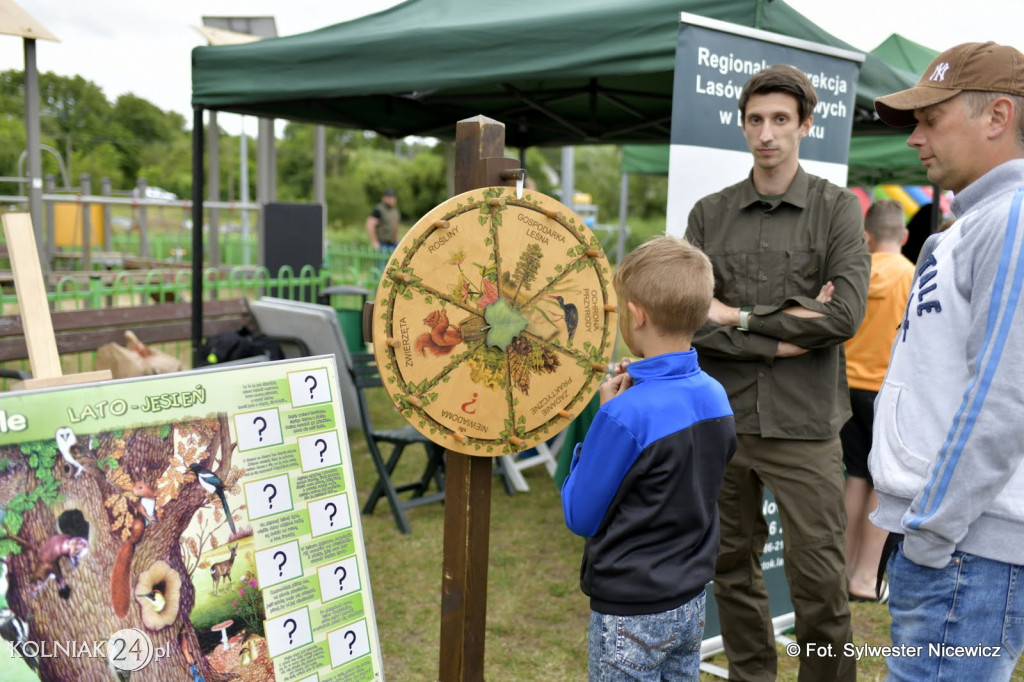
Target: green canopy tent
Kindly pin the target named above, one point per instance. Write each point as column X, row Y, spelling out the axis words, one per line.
column 555, row 73
column 569, row 72
column 905, row 54
column 878, row 159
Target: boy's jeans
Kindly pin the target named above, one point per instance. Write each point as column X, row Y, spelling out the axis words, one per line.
column 972, row 603
column 659, row 646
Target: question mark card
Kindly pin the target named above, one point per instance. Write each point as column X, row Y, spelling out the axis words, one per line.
column 268, row 496
column 288, row 632
column 310, row 387
column 328, row 515
column 277, row 564
column 258, row 429
column 348, row 643
column 339, row 578
column 319, row 450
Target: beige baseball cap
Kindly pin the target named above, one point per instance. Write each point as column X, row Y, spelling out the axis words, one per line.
column 970, row 66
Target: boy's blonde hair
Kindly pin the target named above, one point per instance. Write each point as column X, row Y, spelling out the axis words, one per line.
column 670, row 279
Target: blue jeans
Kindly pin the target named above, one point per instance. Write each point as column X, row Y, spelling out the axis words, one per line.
column 973, row 603
column 658, row 646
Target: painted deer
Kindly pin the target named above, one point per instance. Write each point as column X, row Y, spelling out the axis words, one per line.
column 221, row 571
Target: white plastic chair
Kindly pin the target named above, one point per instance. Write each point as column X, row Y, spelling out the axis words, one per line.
column 547, row 454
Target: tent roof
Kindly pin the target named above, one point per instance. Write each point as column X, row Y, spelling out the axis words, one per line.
column 565, row 72
column 905, row 54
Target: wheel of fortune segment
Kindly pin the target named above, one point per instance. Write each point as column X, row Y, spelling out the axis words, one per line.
column 494, row 321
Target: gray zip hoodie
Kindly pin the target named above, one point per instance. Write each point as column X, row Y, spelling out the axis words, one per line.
column 949, row 420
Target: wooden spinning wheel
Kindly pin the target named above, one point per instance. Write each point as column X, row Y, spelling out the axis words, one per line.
column 495, row 321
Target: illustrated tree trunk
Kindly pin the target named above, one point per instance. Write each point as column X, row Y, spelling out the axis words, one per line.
column 87, row 615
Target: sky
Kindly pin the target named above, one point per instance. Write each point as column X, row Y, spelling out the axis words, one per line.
column 143, row 46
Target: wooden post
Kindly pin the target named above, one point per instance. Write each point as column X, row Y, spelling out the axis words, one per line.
column 479, row 162
column 34, row 309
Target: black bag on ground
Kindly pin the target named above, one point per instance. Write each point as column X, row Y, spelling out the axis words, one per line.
column 238, row 344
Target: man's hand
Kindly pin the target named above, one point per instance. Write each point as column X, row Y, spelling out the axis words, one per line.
column 723, row 314
column 824, row 296
column 789, row 350
column 615, row 386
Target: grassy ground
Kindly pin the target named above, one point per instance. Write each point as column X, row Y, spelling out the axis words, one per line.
column 536, row 615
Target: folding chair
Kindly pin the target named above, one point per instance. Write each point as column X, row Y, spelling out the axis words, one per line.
column 365, row 376
column 305, row 329
column 511, row 466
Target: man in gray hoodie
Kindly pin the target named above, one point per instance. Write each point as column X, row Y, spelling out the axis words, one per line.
column 948, row 434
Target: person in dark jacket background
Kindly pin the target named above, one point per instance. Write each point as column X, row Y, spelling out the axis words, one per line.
column 383, row 223
column 643, row 486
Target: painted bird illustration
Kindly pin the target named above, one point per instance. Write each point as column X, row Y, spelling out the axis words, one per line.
column 155, row 598
column 211, row 483
column 571, row 315
column 15, row 631
column 69, row 448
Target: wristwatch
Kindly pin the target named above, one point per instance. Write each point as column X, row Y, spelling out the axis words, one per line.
column 745, row 312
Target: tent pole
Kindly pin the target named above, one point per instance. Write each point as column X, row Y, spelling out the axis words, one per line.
column 197, row 235
column 33, row 147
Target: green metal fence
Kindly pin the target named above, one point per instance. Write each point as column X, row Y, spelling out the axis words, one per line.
column 124, row 289
column 354, row 263
column 79, row 291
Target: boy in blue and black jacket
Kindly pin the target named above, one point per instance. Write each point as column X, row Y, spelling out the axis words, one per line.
column 643, row 486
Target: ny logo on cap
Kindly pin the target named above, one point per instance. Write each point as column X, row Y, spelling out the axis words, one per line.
column 939, row 74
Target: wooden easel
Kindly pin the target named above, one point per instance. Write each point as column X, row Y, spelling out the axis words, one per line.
column 35, row 311
column 479, row 162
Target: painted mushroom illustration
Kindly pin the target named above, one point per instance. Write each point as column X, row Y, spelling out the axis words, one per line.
column 222, row 628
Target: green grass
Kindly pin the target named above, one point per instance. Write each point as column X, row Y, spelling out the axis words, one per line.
column 536, row 615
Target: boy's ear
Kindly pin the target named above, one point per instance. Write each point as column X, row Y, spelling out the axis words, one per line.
column 637, row 314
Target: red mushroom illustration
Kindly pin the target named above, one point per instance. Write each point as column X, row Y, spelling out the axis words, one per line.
column 222, row 628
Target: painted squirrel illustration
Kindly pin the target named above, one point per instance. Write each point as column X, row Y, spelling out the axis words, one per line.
column 143, row 513
column 48, row 561
column 443, row 336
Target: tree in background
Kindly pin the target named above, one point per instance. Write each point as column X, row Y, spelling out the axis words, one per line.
column 131, row 138
column 93, row 135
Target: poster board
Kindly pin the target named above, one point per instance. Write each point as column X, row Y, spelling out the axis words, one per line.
column 116, row 555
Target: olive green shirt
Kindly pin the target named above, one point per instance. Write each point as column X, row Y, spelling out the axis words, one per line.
column 774, row 259
column 388, row 221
